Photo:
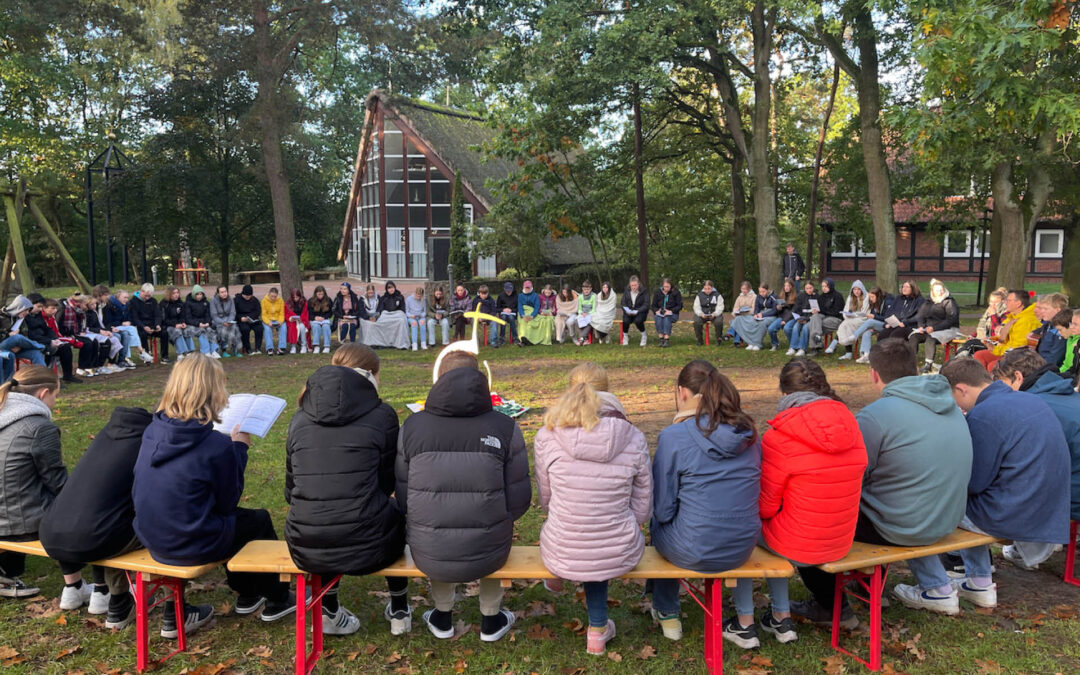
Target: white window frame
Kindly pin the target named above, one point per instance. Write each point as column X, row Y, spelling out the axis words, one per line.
column 418, row 253
column 850, row 252
column 1061, row 243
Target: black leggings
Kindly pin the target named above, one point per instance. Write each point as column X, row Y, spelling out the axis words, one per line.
column 637, row 320
column 161, row 336
column 13, row 564
column 253, row 524
column 90, row 354
column 64, row 354
column 246, row 329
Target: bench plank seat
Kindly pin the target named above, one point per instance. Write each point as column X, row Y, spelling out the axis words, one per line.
column 524, row 563
column 863, row 556
column 135, row 561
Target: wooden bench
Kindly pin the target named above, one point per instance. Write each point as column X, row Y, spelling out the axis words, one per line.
column 150, row 575
column 524, row 563
column 868, row 565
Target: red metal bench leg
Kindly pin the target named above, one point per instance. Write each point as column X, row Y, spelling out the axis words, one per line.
column 877, row 585
column 301, row 625
column 714, row 627
column 176, row 586
column 1070, row 557
column 874, row 590
column 707, row 333
column 142, row 634
column 620, row 332
column 306, row 661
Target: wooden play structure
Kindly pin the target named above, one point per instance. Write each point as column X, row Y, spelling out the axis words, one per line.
column 17, row 198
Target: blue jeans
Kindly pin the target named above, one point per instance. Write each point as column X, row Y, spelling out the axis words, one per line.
column 129, row 337
column 731, row 332
column 417, row 323
column 320, row 328
column 930, row 572
column 511, row 325
column 346, row 330
column 28, row 349
column 665, row 323
column 744, row 596
column 866, row 331
column 800, row 335
column 665, row 596
column 7, row 365
column 268, row 336
column 774, row 330
column 596, row 602
column 431, row 326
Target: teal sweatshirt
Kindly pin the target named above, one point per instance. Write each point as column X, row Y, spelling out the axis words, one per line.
column 918, row 461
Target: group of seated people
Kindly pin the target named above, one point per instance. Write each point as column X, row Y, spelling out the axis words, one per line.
column 451, row 481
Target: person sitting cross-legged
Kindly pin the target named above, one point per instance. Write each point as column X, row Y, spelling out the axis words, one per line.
column 1019, row 488
column 913, row 491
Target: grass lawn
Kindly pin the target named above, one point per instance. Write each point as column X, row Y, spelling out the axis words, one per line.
column 1034, row 630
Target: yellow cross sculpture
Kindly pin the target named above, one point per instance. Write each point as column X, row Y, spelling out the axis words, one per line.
column 472, row 345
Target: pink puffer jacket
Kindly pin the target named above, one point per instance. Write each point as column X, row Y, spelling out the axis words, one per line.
column 597, row 488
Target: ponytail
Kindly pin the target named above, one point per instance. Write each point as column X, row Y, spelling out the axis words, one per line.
column 29, row 380
column 804, row 374
column 719, row 403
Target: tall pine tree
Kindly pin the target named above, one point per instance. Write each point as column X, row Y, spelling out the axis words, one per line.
column 459, row 234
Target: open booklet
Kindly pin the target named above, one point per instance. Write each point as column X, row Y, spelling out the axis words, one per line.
column 850, row 315
column 892, row 322
column 255, row 413
column 814, row 304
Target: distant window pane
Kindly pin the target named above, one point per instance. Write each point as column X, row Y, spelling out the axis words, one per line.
column 436, row 175
column 1048, row 243
column 417, row 193
column 394, row 168
column 418, row 216
column 440, row 193
column 395, row 192
column 417, row 169
column 389, row 126
column 440, row 217
column 395, row 216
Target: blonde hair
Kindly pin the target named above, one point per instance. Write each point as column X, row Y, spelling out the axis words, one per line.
column 29, row 380
column 356, row 355
column 579, row 406
column 195, row 390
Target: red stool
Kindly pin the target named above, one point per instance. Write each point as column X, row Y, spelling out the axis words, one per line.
column 1070, row 557
column 620, row 332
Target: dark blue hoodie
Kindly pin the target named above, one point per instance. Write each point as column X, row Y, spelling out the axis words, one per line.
column 705, row 496
column 1058, row 394
column 188, row 481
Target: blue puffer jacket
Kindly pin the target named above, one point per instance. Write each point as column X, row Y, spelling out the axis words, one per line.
column 1057, row 392
column 705, row 496
column 188, row 481
column 1019, row 486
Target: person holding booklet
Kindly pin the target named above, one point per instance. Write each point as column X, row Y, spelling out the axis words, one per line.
column 339, row 483
column 273, row 318
column 460, row 303
column 805, row 303
column 321, row 315
column 635, row 309
column 743, row 306
column 188, row 482
column 855, row 312
column 752, row 326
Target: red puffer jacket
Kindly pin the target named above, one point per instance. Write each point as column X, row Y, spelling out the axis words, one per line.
column 812, row 465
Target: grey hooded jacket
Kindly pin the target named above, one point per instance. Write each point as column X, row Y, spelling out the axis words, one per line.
column 222, row 311
column 32, row 470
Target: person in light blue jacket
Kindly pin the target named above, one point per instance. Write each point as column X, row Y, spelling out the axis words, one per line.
column 706, row 484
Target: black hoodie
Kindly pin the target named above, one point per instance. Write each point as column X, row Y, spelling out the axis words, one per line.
column 339, row 475
column 92, row 516
column 462, row 479
column 391, row 302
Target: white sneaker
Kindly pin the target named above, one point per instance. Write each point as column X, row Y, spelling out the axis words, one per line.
column 832, row 347
column 801, row 352
column 1011, row 553
column 625, row 339
column 774, row 348
column 414, row 347
column 790, row 352
column 918, row 597
column 180, row 357
column 846, row 356
column 146, row 357
column 303, row 349
column 215, row 355
column 342, row 622
column 99, row 602
column 315, row 350
column 865, row 358
column 644, row 339
column 292, row 350
column 423, row 345
column 978, row 595
column 671, row 627
column 400, row 622
column 73, row 598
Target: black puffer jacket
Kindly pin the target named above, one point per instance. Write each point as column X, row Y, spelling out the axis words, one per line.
column 197, row 311
column 172, row 313
column 145, row 312
column 462, row 479
column 339, row 475
column 93, row 516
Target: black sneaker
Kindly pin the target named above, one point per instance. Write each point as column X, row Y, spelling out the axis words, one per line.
column 815, row 613
column 783, row 629
column 195, row 617
column 276, row 609
column 122, row 612
column 439, row 623
column 249, row 604
column 494, row 627
column 71, row 379
column 15, row 588
column 927, row 368
column 164, row 362
column 742, row 636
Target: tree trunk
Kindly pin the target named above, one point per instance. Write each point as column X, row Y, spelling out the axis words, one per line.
column 738, row 226
column 1017, row 219
column 994, row 257
column 816, row 182
column 1070, row 281
column 768, row 237
column 5, row 274
column 267, row 77
column 873, row 149
column 639, row 192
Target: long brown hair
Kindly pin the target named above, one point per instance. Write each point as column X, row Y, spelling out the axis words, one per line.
column 803, row 374
column 29, row 380
column 789, row 296
column 879, row 299
column 719, row 403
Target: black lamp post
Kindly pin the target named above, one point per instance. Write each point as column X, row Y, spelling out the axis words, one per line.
column 110, row 164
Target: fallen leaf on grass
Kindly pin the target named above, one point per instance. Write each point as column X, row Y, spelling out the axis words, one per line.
column 61, row 620
column 393, row 658
column 460, row 666
column 573, row 671
column 8, row 652
column 752, row 671
column 834, row 665
column 261, row 651
column 988, row 667
column 68, row 652
column 984, row 610
column 224, row 609
column 538, row 632
column 199, row 650
column 91, row 623
column 615, row 656
column 763, row 661
column 575, row 626
column 647, row 652
column 460, row 629
column 9, row 656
